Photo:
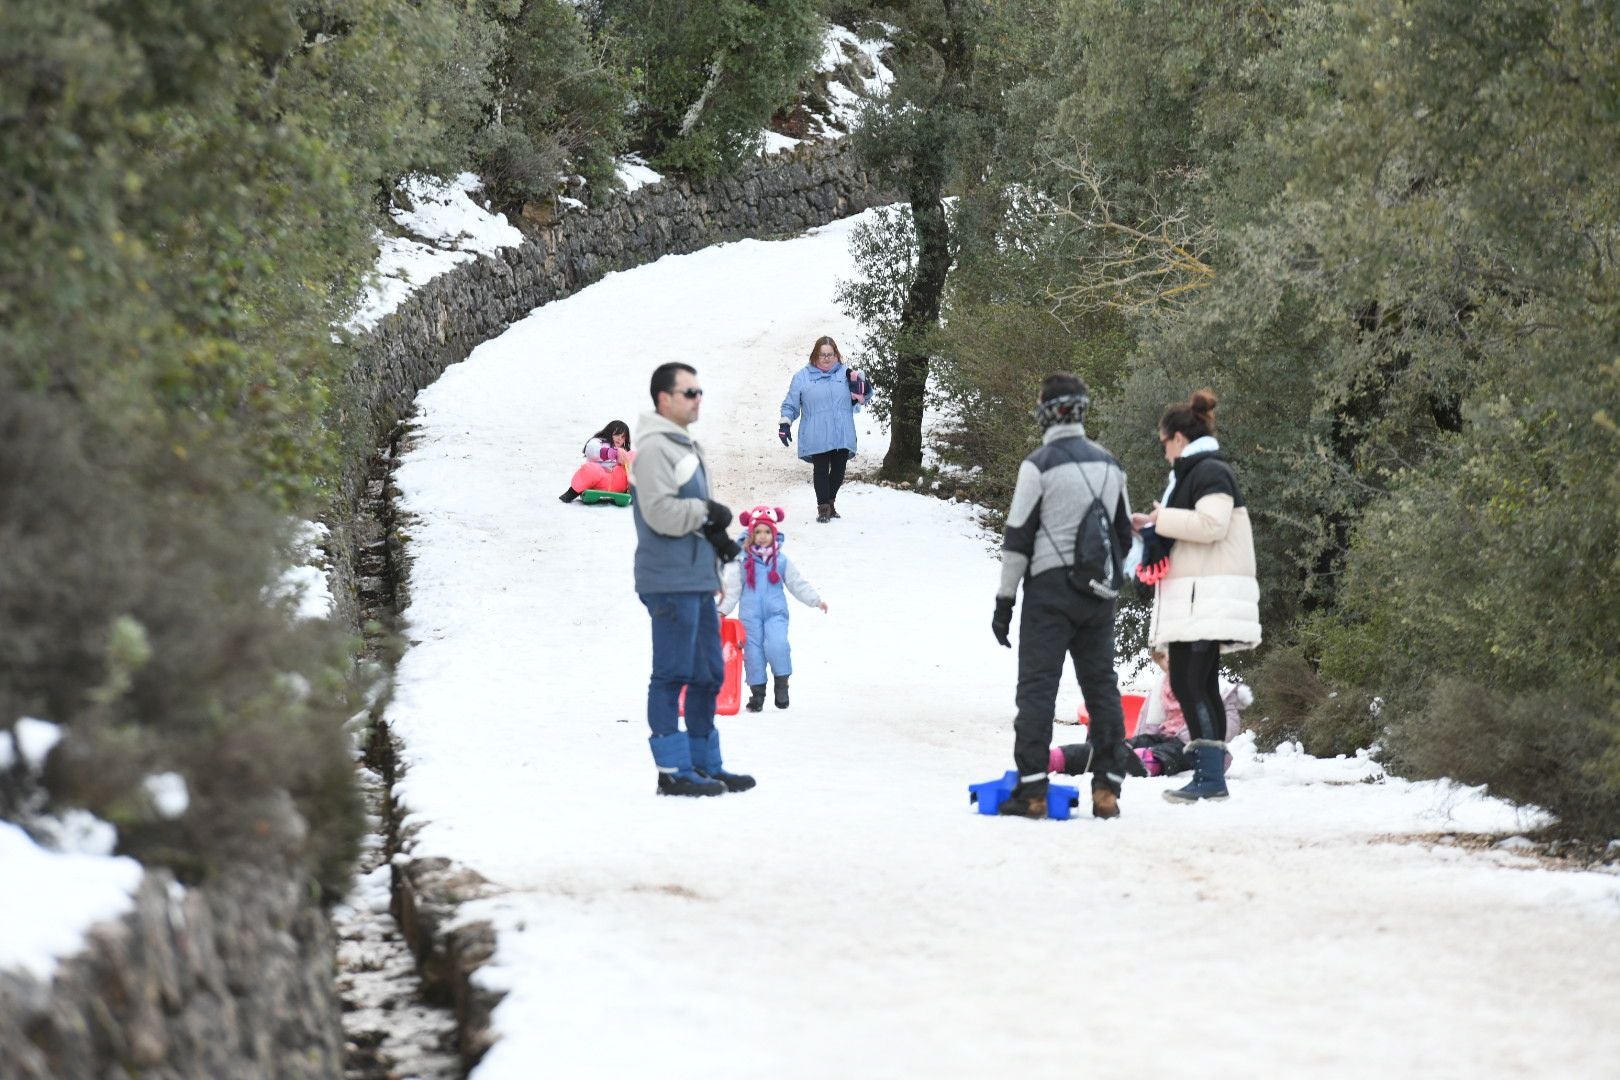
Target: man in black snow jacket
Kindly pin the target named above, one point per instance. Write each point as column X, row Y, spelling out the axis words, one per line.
column 1067, row 487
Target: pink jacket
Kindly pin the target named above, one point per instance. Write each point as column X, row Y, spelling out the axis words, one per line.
column 1162, row 713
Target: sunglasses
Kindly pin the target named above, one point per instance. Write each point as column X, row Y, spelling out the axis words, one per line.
column 689, row 393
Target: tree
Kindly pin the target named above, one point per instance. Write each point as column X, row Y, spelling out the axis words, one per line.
column 710, row 73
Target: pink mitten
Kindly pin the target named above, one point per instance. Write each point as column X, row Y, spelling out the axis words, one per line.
column 1055, row 762
column 1149, row 762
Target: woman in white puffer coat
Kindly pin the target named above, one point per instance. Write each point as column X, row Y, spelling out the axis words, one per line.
column 1208, row 600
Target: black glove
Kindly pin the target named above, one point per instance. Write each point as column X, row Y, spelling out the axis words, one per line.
column 784, row 431
column 719, row 517
column 724, row 545
column 1001, row 623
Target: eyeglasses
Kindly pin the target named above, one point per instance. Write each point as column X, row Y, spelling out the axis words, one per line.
column 689, row 393
column 827, row 356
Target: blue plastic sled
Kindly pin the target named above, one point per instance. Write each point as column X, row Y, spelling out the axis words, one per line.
column 617, row 498
column 1061, row 799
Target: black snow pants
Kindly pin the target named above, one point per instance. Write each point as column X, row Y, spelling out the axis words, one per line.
column 1059, row 621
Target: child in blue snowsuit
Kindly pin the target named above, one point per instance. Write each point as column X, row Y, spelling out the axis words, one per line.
column 757, row 585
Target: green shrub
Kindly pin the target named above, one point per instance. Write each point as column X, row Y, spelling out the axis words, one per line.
column 137, row 615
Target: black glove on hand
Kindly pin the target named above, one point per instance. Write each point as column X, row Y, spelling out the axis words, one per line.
column 784, row 431
column 1001, row 623
column 719, row 517
column 724, row 546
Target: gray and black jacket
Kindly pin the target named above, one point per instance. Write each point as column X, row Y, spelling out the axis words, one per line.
column 1056, row 485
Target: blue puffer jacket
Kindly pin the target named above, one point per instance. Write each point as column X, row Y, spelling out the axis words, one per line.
column 819, row 400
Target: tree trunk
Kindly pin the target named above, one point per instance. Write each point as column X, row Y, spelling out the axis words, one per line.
column 919, row 318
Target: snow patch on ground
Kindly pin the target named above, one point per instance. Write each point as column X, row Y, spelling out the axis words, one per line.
column 49, row 900
column 634, row 173
column 446, row 228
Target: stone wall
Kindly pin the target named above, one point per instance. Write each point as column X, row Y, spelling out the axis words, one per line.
column 232, row 981
column 441, row 323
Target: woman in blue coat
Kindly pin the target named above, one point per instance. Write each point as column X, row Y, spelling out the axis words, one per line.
column 823, row 397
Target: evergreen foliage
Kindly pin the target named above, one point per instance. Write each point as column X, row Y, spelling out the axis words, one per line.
column 1406, row 295
column 709, row 73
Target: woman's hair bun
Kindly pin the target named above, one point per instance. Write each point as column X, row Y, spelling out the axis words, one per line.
column 1203, row 402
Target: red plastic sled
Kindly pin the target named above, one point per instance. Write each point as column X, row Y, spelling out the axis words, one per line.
column 1132, row 704
column 732, row 639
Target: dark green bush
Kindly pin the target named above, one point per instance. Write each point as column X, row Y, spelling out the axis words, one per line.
column 137, row 614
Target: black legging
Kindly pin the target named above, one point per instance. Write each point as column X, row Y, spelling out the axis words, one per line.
column 1195, row 679
column 827, row 473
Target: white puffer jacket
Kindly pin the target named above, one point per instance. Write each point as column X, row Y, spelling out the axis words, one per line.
column 1210, row 592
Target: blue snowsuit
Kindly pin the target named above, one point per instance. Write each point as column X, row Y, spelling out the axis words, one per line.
column 819, row 400
column 763, row 609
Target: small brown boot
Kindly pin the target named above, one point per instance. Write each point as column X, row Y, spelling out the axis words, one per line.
column 1026, row 800
column 823, row 512
column 832, row 510
column 1104, row 803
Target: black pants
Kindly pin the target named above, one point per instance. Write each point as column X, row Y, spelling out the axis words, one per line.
column 1059, row 621
column 827, row 474
column 1195, row 679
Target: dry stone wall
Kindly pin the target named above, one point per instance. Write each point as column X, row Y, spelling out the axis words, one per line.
column 230, row 982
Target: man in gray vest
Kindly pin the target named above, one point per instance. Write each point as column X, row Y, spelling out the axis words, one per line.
column 680, row 541
column 1068, row 486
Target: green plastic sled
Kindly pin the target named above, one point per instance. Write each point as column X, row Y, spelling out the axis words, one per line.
column 617, row 498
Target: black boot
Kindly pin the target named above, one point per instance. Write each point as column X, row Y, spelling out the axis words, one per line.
column 824, row 513
column 690, row 782
column 832, row 510
column 781, row 692
column 568, row 496
column 756, row 697
column 733, row 781
column 1028, row 799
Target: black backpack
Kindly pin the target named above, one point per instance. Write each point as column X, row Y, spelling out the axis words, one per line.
column 1098, row 568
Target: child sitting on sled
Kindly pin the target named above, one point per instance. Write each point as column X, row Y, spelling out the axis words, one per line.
column 1160, row 742
column 607, row 463
column 757, row 585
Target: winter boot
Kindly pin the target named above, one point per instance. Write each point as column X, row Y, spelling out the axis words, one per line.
column 756, row 697
column 1209, row 773
column 832, row 510
column 1028, row 799
column 673, row 755
column 1104, row 802
column 568, row 495
column 824, row 513
column 706, row 758
column 781, row 692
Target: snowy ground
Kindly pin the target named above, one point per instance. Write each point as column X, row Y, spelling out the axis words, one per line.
column 852, row 915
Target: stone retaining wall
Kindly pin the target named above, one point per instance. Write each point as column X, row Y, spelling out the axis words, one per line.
column 230, row 982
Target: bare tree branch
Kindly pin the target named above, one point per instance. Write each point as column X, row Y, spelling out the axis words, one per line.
column 1132, row 266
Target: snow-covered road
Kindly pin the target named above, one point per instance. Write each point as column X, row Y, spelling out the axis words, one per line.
column 852, row 916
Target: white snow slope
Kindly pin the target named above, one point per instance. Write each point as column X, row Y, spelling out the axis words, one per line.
column 852, row 915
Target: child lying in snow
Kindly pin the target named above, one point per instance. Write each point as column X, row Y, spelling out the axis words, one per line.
column 1161, row 739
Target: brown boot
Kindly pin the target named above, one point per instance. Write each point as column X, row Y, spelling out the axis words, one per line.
column 823, row 512
column 1026, row 800
column 832, row 510
column 1104, row 803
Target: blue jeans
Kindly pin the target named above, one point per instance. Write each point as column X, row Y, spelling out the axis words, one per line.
column 685, row 652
